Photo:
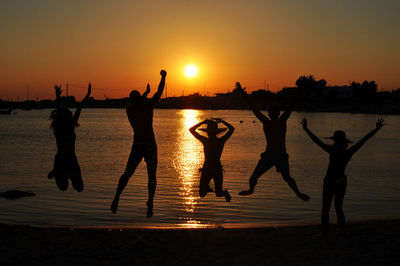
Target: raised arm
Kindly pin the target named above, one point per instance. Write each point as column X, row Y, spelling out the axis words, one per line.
column 80, row 106
column 286, row 114
column 256, row 112
column 231, row 129
column 144, row 95
column 313, row 137
column 58, row 90
column 194, row 132
column 156, row 97
column 379, row 124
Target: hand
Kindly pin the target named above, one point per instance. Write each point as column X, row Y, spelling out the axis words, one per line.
column 380, row 123
column 219, row 120
column 163, row 73
column 304, row 123
column 147, row 88
column 89, row 90
column 239, row 88
column 58, row 90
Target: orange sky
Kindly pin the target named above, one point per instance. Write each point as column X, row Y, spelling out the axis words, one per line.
column 123, row 44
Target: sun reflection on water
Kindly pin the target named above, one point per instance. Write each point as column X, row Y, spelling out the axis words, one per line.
column 188, row 160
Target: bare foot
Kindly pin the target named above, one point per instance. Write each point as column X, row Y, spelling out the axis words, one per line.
column 246, row 192
column 227, row 196
column 114, row 206
column 303, row 196
column 149, row 209
column 51, row 174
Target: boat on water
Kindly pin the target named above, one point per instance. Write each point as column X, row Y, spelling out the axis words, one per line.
column 5, row 111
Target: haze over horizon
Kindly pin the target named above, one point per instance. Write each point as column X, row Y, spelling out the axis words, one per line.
column 124, row 44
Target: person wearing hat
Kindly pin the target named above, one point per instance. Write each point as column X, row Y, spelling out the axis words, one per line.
column 140, row 115
column 275, row 153
column 213, row 146
column 335, row 180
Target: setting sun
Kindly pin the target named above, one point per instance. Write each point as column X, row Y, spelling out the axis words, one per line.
column 190, row 71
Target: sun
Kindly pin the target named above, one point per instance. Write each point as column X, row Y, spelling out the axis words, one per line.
column 190, row 71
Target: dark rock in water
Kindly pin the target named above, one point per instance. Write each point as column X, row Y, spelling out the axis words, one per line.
column 15, row 194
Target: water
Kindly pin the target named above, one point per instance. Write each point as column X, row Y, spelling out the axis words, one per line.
column 27, row 149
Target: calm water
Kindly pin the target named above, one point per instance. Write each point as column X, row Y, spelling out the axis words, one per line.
column 104, row 141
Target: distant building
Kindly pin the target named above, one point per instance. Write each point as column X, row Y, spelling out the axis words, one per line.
column 343, row 92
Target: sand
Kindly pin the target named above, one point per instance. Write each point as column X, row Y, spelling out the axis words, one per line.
column 365, row 243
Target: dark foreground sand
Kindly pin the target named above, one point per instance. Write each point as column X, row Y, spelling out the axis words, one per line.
column 366, row 243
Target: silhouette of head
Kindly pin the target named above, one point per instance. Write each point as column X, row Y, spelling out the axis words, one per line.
column 62, row 120
column 339, row 139
column 273, row 111
column 135, row 97
column 212, row 128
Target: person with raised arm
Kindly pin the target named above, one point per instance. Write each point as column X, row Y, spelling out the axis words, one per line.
column 63, row 123
column 213, row 146
column 335, row 181
column 140, row 115
column 275, row 152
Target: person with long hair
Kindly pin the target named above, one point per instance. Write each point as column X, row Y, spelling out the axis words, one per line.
column 63, row 124
column 140, row 115
column 335, row 181
column 213, row 146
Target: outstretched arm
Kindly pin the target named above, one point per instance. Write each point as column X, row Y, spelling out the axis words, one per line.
column 256, row 112
column 157, row 95
column 194, row 132
column 313, row 137
column 58, row 90
column 80, row 106
column 379, row 124
column 289, row 109
column 144, row 95
column 231, row 129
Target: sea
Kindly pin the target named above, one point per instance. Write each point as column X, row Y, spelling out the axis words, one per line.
column 103, row 144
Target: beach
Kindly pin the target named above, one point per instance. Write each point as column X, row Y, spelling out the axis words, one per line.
column 365, row 243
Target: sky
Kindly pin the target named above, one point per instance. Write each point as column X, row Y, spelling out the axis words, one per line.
column 123, row 45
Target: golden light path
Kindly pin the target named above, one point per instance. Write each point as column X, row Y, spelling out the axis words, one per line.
column 189, row 160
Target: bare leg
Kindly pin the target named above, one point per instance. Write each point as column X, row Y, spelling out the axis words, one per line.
column 292, row 184
column 260, row 169
column 327, row 196
column 151, row 163
column 134, row 159
column 339, row 196
column 219, row 192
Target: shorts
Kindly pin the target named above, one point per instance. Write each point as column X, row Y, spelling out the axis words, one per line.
column 139, row 150
column 67, row 166
column 279, row 159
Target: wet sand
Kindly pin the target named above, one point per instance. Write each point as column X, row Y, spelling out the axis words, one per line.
column 366, row 243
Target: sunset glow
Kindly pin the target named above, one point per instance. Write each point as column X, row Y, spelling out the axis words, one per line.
column 191, row 71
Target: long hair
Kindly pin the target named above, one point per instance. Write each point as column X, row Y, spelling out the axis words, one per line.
column 61, row 120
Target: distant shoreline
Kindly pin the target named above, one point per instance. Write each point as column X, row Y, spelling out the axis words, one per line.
column 366, row 243
column 385, row 111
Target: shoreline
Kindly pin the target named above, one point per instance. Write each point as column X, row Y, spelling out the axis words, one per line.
column 368, row 242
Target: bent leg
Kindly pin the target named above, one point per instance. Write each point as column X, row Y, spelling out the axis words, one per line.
column 292, row 184
column 205, row 179
column 218, row 181
column 60, row 172
column 76, row 176
column 260, row 169
column 134, row 159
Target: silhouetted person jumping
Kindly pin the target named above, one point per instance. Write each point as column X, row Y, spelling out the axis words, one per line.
column 213, row 146
column 140, row 115
column 335, row 180
column 63, row 124
column 275, row 153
